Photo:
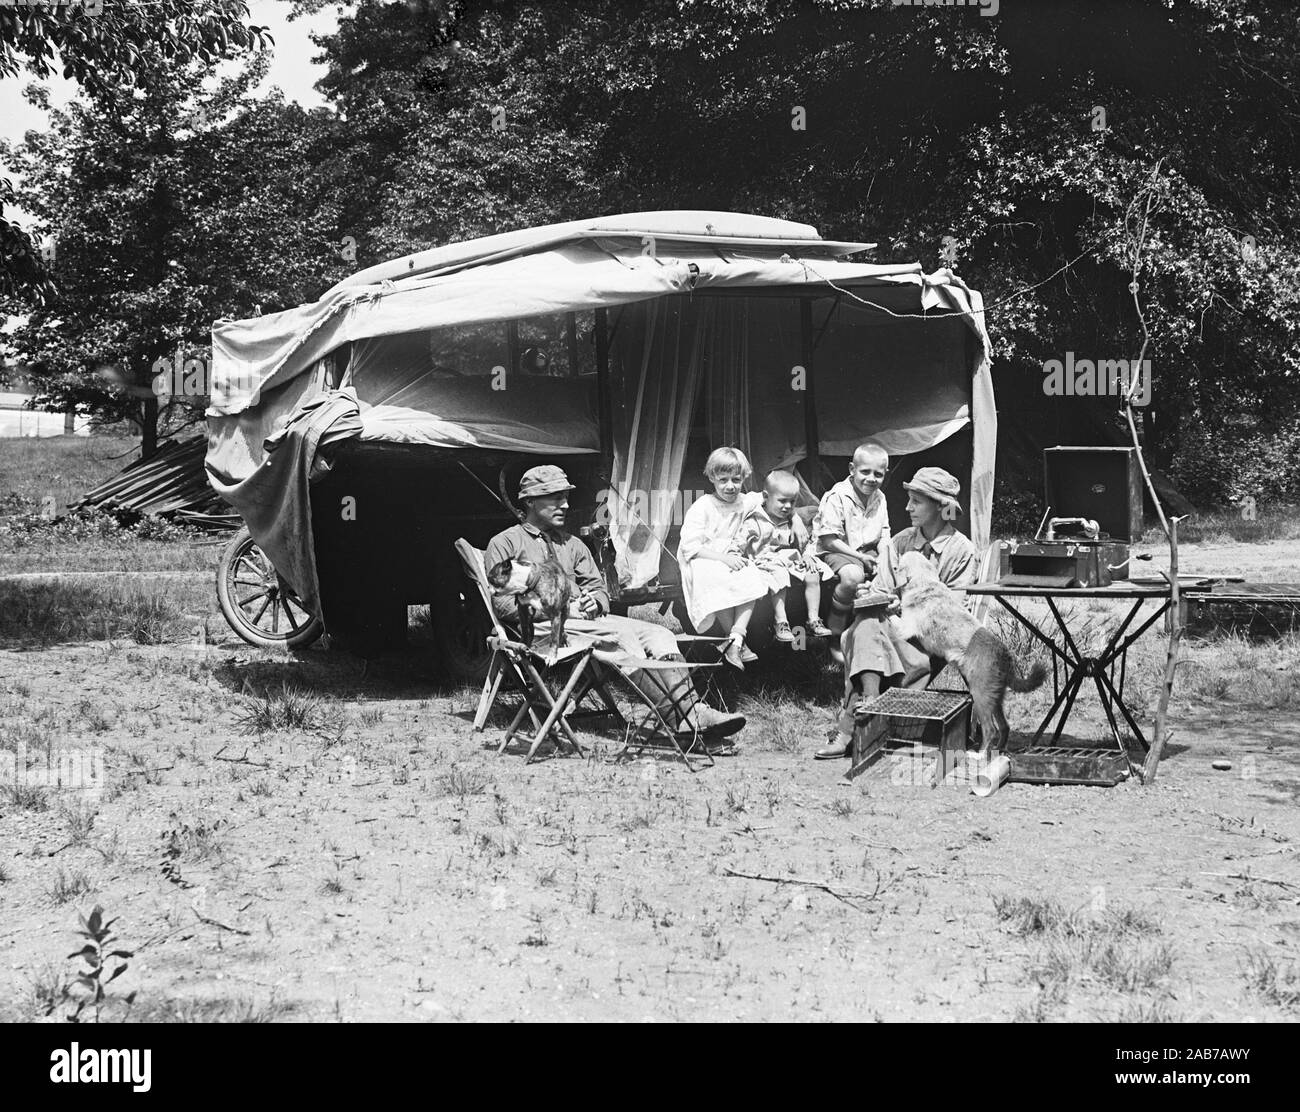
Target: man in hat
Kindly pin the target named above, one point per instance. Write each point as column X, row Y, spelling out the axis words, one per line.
column 876, row 655
column 544, row 492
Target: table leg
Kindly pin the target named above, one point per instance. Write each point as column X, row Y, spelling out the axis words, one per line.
column 1132, row 725
column 1102, row 683
column 1071, row 693
column 1065, row 631
column 1051, row 711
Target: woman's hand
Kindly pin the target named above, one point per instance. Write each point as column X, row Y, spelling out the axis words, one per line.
column 588, row 606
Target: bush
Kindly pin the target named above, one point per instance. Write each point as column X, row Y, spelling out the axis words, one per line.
column 25, row 523
column 1220, row 463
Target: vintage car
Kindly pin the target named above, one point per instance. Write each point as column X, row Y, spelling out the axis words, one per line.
column 360, row 435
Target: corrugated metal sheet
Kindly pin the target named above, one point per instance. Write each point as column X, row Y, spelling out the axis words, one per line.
column 173, row 481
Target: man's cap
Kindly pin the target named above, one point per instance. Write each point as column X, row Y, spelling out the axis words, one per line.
column 936, row 483
column 547, row 479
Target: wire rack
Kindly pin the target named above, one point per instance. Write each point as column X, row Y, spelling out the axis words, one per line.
column 928, row 704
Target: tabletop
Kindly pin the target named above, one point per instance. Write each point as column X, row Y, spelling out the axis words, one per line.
column 1114, row 590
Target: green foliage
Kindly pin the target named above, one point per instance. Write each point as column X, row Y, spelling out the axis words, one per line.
column 168, row 208
column 106, row 53
column 1230, row 457
column 453, row 120
column 921, row 123
column 103, row 965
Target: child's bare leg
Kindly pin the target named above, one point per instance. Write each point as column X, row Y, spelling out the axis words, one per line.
column 779, row 614
column 850, row 579
column 740, row 623
column 812, row 593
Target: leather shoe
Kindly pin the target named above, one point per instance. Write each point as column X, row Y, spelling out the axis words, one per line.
column 712, row 723
column 832, row 751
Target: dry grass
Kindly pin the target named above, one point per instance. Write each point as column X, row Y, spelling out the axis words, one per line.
column 1227, row 526
column 63, row 466
column 289, row 708
column 1278, row 983
column 1115, row 949
column 37, row 613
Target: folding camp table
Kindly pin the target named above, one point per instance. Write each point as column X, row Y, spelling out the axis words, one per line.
column 1072, row 666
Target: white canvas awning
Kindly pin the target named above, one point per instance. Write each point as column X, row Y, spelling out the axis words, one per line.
column 896, row 364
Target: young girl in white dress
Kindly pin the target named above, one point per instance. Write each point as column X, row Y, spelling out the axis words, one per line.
column 721, row 587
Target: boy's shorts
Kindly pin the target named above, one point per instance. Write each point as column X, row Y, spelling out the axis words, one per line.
column 837, row 560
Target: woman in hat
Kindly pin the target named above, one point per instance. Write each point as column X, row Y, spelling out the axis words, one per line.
column 876, row 656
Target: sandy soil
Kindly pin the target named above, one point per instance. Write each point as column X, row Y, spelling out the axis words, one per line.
column 390, row 865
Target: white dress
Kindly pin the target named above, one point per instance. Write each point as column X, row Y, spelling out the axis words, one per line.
column 710, row 586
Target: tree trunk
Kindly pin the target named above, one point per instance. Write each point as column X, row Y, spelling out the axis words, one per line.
column 149, row 429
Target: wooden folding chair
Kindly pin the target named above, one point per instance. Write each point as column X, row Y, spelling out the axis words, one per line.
column 549, row 707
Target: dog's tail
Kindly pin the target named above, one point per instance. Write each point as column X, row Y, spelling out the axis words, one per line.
column 1028, row 681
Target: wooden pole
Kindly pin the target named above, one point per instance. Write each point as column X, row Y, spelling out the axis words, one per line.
column 1152, row 764
column 604, row 408
column 812, row 438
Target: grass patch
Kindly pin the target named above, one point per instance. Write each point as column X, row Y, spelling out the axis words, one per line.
column 1279, row 984
column 289, row 708
column 27, row 797
column 1116, row 949
column 63, row 466
column 461, row 781
column 1233, row 668
column 218, row 1010
column 195, row 841
column 778, row 722
column 46, row 990
column 69, row 885
column 42, row 612
column 1227, row 526
column 81, row 820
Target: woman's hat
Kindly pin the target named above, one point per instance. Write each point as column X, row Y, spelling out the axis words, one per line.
column 936, row 483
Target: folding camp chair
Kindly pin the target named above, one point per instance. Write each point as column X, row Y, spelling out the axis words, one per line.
column 549, row 707
column 590, row 671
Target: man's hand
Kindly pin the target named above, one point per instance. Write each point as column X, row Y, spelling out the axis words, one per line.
column 895, row 606
column 587, row 606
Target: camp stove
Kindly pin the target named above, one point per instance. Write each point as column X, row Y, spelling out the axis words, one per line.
column 1102, row 488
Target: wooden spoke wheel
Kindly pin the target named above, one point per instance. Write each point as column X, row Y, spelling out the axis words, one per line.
column 257, row 606
column 461, row 627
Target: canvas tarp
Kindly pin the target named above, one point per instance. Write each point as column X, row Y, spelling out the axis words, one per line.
column 266, row 368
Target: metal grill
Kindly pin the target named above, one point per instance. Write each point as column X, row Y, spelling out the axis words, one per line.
column 936, row 705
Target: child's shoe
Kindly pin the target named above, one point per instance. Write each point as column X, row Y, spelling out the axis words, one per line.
column 783, row 633
column 733, row 654
column 747, row 654
column 818, row 628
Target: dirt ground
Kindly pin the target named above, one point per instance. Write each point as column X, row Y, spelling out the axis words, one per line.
column 378, row 861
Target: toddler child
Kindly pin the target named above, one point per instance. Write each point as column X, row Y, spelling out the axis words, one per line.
column 780, row 545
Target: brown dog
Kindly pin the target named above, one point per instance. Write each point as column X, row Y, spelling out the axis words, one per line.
column 542, row 592
column 935, row 621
